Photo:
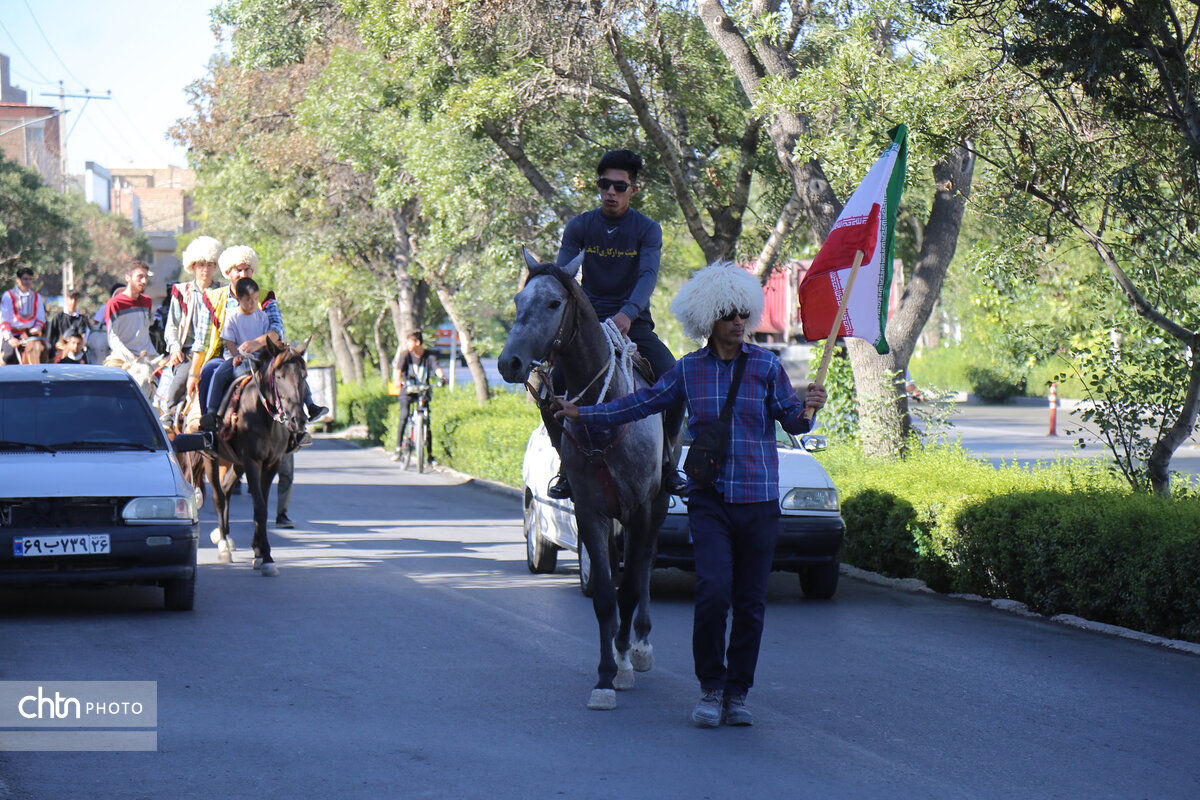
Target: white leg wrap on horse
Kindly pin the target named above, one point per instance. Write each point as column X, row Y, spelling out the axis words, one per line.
column 603, row 700
column 215, row 536
column 257, row 563
column 269, row 570
column 624, row 677
column 642, row 656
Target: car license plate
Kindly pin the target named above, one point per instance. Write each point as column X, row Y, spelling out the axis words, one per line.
column 85, row 545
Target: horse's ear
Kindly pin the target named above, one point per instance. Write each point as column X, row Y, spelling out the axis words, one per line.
column 300, row 350
column 532, row 262
column 571, row 268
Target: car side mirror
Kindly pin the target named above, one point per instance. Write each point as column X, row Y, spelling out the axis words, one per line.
column 188, row 442
column 814, row 443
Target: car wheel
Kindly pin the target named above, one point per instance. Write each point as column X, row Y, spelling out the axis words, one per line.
column 819, row 582
column 179, row 594
column 540, row 556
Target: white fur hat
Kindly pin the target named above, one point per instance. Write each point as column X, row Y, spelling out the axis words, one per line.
column 202, row 248
column 718, row 289
column 238, row 254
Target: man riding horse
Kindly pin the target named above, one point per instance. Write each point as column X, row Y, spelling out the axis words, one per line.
column 621, row 249
column 22, row 317
column 237, row 262
column 127, row 315
column 189, row 302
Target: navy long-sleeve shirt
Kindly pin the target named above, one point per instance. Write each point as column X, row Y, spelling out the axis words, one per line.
column 702, row 380
column 620, row 262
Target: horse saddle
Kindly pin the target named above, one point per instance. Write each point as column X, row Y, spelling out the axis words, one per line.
column 228, row 410
column 641, row 365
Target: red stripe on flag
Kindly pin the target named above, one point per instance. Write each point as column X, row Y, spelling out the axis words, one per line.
column 854, row 234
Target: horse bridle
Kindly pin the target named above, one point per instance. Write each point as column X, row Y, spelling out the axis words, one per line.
column 557, row 345
column 277, row 413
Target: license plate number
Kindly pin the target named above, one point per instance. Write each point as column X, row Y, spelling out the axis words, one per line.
column 85, row 545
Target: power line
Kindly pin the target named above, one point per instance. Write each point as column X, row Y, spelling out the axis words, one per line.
column 51, row 46
column 130, row 148
column 31, row 81
column 22, row 52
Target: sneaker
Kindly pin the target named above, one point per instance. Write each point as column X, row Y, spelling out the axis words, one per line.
column 675, row 483
column 707, row 713
column 282, row 521
column 208, row 422
column 559, row 488
column 735, row 711
column 316, row 412
column 396, row 456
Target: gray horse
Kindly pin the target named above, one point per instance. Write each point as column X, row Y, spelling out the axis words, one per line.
column 613, row 477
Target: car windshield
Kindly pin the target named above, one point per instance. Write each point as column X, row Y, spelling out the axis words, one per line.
column 80, row 414
column 783, row 439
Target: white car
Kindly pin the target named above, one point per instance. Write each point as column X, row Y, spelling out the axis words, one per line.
column 91, row 490
column 810, row 531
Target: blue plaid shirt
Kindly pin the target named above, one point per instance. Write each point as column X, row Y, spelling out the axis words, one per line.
column 701, row 380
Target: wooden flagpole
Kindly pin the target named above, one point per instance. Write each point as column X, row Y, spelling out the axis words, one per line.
column 831, row 342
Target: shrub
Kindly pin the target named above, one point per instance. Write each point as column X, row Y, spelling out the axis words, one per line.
column 991, row 385
column 366, row 404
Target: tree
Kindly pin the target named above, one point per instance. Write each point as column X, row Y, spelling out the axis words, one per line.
column 1099, row 138
column 36, row 224
column 776, row 56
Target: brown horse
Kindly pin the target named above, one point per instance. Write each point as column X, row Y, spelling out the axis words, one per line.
column 269, row 412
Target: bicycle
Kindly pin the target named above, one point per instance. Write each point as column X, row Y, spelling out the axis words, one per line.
column 414, row 439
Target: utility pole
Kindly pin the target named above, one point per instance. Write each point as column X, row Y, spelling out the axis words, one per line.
column 68, row 271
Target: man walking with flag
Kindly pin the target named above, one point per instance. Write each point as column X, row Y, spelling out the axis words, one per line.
column 734, row 519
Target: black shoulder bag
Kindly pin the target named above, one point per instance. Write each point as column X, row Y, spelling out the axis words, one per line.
column 706, row 456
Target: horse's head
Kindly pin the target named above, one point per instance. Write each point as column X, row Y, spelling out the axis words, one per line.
column 547, row 312
column 281, row 375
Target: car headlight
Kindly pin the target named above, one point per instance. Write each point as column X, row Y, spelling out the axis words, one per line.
column 800, row 499
column 160, row 509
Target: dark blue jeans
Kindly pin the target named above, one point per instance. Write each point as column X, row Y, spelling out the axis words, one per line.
column 734, row 544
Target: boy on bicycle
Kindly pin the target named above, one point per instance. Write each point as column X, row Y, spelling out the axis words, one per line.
column 414, row 368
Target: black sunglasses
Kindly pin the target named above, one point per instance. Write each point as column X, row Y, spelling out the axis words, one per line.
column 732, row 315
column 604, row 184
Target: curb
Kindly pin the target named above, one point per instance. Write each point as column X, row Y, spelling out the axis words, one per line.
column 917, row 586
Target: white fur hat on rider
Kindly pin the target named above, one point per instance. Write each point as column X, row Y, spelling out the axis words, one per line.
column 719, row 289
column 202, row 248
column 238, row 254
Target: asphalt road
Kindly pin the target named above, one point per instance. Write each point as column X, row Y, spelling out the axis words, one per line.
column 405, row 651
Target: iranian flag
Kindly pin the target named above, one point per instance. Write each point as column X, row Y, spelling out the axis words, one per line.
column 866, row 226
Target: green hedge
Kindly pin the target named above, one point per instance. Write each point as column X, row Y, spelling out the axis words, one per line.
column 487, row 442
column 1065, row 537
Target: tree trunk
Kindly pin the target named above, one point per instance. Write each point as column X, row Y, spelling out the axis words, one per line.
column 466, row 335
column 337, row 338
column 381, row 350
column 1158, row 467
column 355, row 352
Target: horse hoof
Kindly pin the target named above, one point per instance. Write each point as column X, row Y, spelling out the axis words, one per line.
column 224, row 558
column 269, row 570
column 624, row 680
column 215, row 536
column 224, row 548
column 603, row 700
column 642, row 656
column 257, row 563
